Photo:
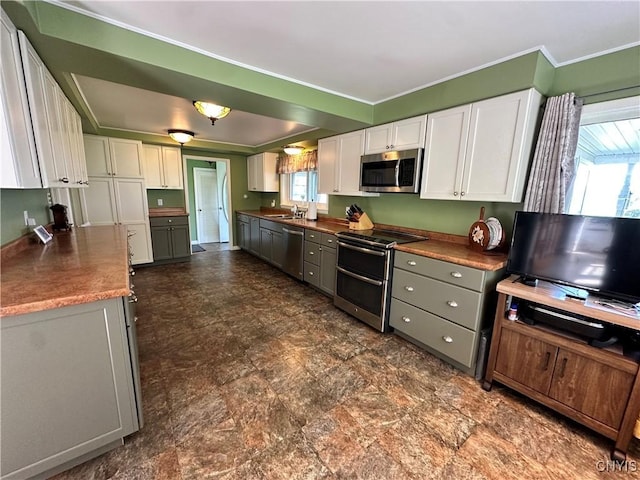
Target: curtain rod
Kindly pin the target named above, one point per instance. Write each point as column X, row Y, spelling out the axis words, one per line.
column 610, row 91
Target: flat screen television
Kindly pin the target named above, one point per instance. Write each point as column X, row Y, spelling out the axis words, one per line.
column 596, row 254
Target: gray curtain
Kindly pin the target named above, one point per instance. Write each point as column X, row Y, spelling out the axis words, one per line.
column 553, row 162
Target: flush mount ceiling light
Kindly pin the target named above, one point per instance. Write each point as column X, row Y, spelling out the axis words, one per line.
column 212, row 111
column 293, row 149
column 181, row 136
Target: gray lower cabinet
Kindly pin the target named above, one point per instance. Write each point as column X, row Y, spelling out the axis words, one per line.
column 271, row 242
column 320, row 260
column 170, row 238
column 441, row 306
column 254, row 235
column 67, row 387
column 243, row 231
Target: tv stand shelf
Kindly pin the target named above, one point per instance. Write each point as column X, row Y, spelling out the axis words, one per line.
column 597, row 387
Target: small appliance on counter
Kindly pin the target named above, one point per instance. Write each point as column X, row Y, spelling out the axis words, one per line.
column 60, row 218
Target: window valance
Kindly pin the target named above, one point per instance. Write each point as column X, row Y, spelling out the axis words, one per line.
column 297, row 163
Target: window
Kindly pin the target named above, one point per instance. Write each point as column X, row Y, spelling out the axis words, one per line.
column 300, row 188
column 607, row 176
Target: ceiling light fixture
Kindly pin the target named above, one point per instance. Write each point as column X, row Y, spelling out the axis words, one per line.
column 293, row 149
column 210, row 110
column 181, row 136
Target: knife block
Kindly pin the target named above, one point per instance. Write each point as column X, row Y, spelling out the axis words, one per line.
column 363, row 223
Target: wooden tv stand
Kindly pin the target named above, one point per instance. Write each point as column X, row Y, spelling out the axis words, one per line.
column 597, row 387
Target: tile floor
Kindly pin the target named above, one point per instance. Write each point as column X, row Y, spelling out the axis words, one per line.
column 248, row 374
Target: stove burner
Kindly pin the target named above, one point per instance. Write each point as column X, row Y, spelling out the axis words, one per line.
column 383, row 238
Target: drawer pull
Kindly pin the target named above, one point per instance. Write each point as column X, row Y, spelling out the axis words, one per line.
column 452, row 303
column 311, row 274
column 412, row 263
column 311, row 253
column 447, row 339
column 408, row 289
column 329, row 241
column 406, row 319
column 456, row 274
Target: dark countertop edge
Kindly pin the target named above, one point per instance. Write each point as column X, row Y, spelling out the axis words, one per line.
column 460, row 253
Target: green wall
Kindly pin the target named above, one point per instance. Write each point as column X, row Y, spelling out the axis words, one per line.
column 170, row 198
column 12, row 205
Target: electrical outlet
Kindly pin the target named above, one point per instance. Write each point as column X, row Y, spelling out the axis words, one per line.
column 160, row 202
column 26, row 217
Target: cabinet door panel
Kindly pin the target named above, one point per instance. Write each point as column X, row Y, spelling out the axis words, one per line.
column 591, row 387
column 327, row 160
column 378, row 139
column 254, row 235
column 97, row 154
column 328, row 270
column 277, row 249
column 152, row 159
column 140, row 243
column 444, row 153
column 181, row 241
column 131, row 200
column 409, row 133
column 161, row 243
column 526, row 360
column 126, row 157
column 350, row 149
column 99, row 202
column 172, row 167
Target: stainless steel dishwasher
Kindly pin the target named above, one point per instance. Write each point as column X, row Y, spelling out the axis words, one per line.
column 293, row 239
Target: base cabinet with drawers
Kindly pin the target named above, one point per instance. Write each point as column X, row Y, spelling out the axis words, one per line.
column 170, row 238
column 320, row 260
column 441, row 306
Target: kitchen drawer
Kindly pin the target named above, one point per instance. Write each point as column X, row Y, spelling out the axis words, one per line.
column 269, row 225
column 447, row 272
column 312, row 236
column 454, row 341
column 329, row 240
column 457, row 304
column 243, row 218
column 312, row 253
column 312, row 274
column 168, row 221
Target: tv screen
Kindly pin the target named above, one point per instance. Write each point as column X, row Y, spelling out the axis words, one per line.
column 598, row 254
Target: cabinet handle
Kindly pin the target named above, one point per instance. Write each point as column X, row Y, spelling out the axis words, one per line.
column 447, row 339
column 408, row 289
column 64, row 180
column 311, row 253
column 547, row 357
column 456, row 274
column 329, row 241
column 412, row 263
column 563, row 367
column 452, row 303
column 455, row 194
column 462, row 194
column 311, row 274
column 406, row 319
column 319, row 249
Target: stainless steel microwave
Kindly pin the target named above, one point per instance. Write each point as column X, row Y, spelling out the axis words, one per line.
column 398, row 171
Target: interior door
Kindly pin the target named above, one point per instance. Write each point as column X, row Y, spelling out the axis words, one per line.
column 206, row 197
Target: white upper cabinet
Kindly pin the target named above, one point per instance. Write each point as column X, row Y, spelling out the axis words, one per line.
column 481, row 151
column 19, row 163
column 261, row 172
column 162, row 167
column 401, row 135
column 339, row 164
column 54, row 121
column 117, row 157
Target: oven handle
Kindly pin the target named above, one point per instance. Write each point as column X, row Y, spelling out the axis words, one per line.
column 377, row 283
column 363, row 250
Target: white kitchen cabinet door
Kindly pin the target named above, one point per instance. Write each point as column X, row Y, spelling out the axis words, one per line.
column 126, row 158
column 498, row 151
column 79, row 158
column 261, row 172
column 444, row 152
column 401, row 135
column 487, row 144
column 140, row 242
column 19, row 163
column 131, row 200
column 339, row 164
column 60, row 163
column 96, row 150
column 98, row 202
column 162, row 167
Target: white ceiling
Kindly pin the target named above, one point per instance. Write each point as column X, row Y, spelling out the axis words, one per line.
column 370, row 51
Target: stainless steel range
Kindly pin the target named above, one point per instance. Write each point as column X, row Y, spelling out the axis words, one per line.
column 363, row 277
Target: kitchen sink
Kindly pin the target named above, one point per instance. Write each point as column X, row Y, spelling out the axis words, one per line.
column 279, row 215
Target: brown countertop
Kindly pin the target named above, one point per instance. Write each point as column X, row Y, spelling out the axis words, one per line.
column 167, row 212
column 81, row 266
column 442, row 246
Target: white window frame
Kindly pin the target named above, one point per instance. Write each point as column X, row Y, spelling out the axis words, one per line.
column 285, row 196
